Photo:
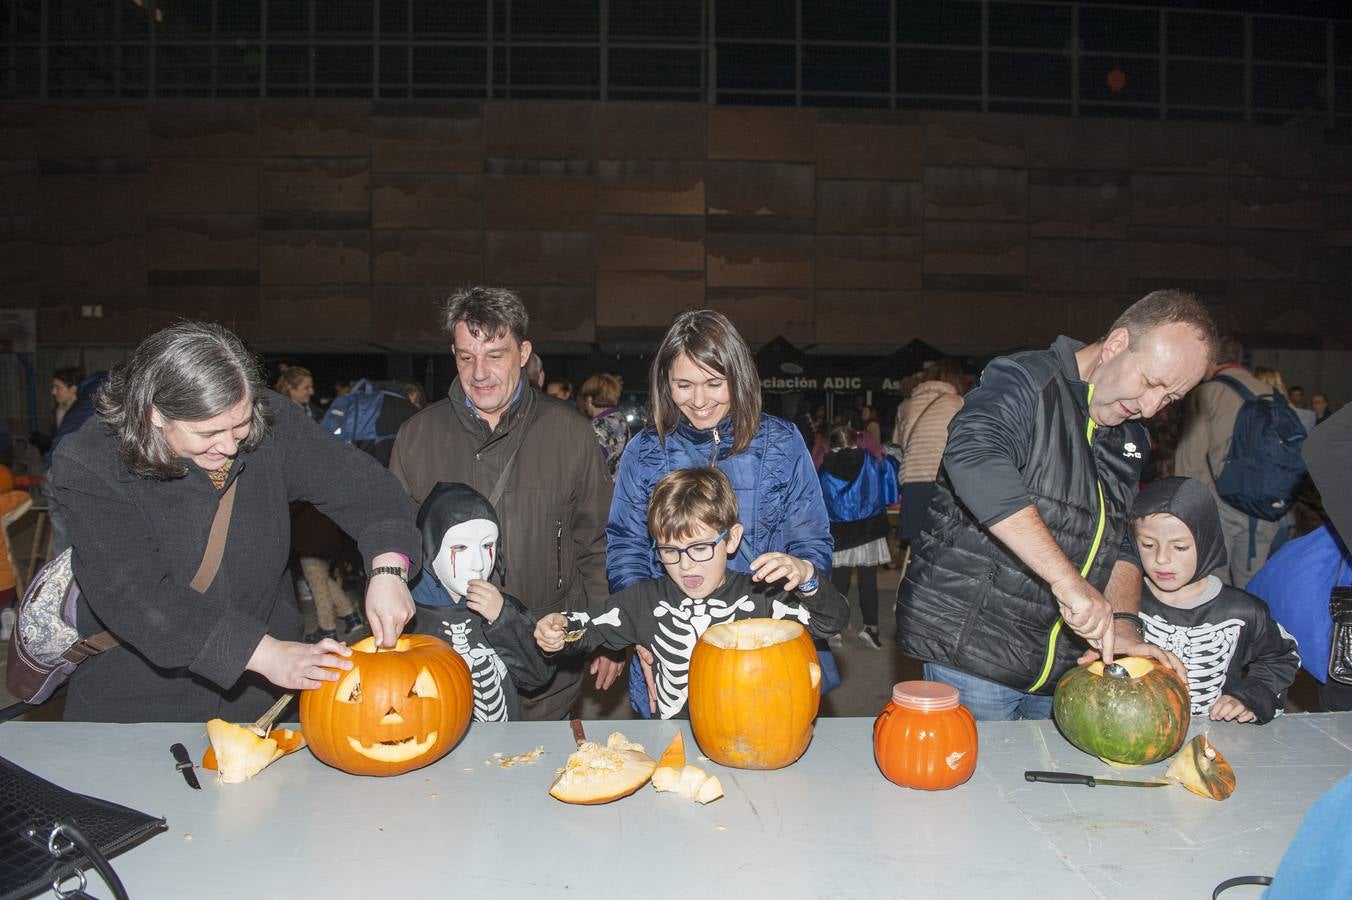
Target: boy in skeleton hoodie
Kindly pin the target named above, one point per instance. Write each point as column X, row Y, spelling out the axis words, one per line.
column 692, row 515
column 1240, row 662
column 456, row 602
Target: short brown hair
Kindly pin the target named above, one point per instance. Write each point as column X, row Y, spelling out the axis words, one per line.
column 601, row 390
column 685, row 499
column 711, row 340
column 487, row 312
column 1164, row 308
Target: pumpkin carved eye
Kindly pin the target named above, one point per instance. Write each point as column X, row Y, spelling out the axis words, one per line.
column 349, row 689
column 424, row 685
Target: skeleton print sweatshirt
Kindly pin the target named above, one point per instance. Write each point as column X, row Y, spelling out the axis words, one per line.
column 1226, row 637
column 656, row 614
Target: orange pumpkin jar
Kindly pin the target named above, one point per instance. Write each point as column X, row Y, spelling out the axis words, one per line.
column 924, row 738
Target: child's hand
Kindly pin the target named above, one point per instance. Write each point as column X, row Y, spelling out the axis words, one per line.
column 771, row 567
column 1228, row 709
column 484, row 598
column 549, row 632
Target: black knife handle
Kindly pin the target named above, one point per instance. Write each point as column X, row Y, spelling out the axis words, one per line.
column 1059, row 778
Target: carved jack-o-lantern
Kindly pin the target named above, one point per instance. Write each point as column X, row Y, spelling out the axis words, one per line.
column 394, row 711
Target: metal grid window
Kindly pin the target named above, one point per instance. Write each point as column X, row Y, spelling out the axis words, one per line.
column 1113, row 59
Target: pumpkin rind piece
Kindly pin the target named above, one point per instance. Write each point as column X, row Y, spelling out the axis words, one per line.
column 596, row 774
column 1200, row 768
column 1137, row 720
column 240, row 754
column 288, row 741
column 674, row 756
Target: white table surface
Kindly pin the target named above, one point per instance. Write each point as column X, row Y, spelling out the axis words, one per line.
column 828, row 826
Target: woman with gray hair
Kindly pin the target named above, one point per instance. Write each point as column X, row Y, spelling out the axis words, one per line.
column 185, row 423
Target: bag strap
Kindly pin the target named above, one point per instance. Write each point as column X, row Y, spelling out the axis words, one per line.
column 1237, row 386
column 507, row 467
column 220, row 527
column 95, row 644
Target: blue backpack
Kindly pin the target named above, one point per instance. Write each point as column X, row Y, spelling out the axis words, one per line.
column 1262, row 468
column 352, row 417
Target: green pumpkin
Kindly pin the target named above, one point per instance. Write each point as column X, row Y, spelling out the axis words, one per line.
column 1137, row 720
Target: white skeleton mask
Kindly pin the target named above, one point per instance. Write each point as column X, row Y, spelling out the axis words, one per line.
column 468, row 551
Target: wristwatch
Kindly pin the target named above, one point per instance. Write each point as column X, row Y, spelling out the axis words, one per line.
column 390, row 570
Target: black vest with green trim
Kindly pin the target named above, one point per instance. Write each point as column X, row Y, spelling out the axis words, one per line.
column 967, row 601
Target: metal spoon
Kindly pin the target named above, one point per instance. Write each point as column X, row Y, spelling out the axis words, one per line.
column 1115, row 670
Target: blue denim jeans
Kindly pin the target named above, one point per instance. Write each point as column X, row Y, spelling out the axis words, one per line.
column 989, row 700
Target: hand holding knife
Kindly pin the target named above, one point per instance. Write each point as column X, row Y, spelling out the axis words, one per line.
column 1088, row 780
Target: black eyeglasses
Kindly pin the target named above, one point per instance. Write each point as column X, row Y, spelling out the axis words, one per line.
column 701, row 552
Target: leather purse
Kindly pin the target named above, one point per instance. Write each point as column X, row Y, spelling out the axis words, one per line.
column 49, row 836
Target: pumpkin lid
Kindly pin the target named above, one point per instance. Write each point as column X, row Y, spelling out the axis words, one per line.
column 925, row 695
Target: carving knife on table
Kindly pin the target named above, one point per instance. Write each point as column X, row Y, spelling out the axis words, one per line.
column 183, row 762
column 1089, row 780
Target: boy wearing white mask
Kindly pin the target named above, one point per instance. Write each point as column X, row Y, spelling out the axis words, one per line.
column 458, row 601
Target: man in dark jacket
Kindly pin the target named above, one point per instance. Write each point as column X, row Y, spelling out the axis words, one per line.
column 1028, row 529
column 536, row 461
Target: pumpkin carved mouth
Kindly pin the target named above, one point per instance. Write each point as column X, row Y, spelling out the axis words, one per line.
column 394, row 751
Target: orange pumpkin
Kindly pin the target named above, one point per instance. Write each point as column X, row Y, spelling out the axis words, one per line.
column 6, row 479
column 754, row 691
column 924, row 738
column 397, row 709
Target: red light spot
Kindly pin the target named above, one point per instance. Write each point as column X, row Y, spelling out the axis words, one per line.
column 1117, row 80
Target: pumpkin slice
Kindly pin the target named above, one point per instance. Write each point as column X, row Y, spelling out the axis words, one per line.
column 691, row 782
column 598, row 773
column 674, row 756
column 289, row 741
column 240, row 754
column 1200, row 768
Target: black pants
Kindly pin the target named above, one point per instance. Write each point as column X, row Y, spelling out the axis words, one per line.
column 868, row 589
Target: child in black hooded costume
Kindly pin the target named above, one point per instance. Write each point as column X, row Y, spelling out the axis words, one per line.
column 1240, row 662
column 456, row 602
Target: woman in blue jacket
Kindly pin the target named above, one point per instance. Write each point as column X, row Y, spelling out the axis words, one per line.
column 705, row 409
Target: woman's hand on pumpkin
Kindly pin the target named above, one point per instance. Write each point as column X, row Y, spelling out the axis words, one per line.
column 1228, row 709
column 485, row 599
column 389, row 605
column 296, row 666
column 549, row 632
column 772, row 567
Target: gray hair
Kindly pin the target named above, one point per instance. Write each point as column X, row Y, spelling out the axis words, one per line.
column 487, row 312
column 188, row 372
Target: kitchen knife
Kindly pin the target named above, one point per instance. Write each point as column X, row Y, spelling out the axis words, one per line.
column 1090, row 780
column 183, row 762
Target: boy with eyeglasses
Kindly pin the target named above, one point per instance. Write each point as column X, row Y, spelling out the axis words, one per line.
column 692, row 516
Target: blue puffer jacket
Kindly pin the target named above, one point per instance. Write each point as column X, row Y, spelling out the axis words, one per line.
column 778, row 495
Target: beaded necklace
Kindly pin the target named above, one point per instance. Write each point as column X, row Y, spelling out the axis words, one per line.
column 218, row 476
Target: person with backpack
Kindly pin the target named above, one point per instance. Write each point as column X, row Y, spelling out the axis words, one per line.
column 369, row 416
column 1242, row 439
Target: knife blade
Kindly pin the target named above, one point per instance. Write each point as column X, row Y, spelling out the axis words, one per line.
column 183, row 762
column 1089, row 780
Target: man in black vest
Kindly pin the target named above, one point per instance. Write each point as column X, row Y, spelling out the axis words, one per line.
column 1026, row 563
